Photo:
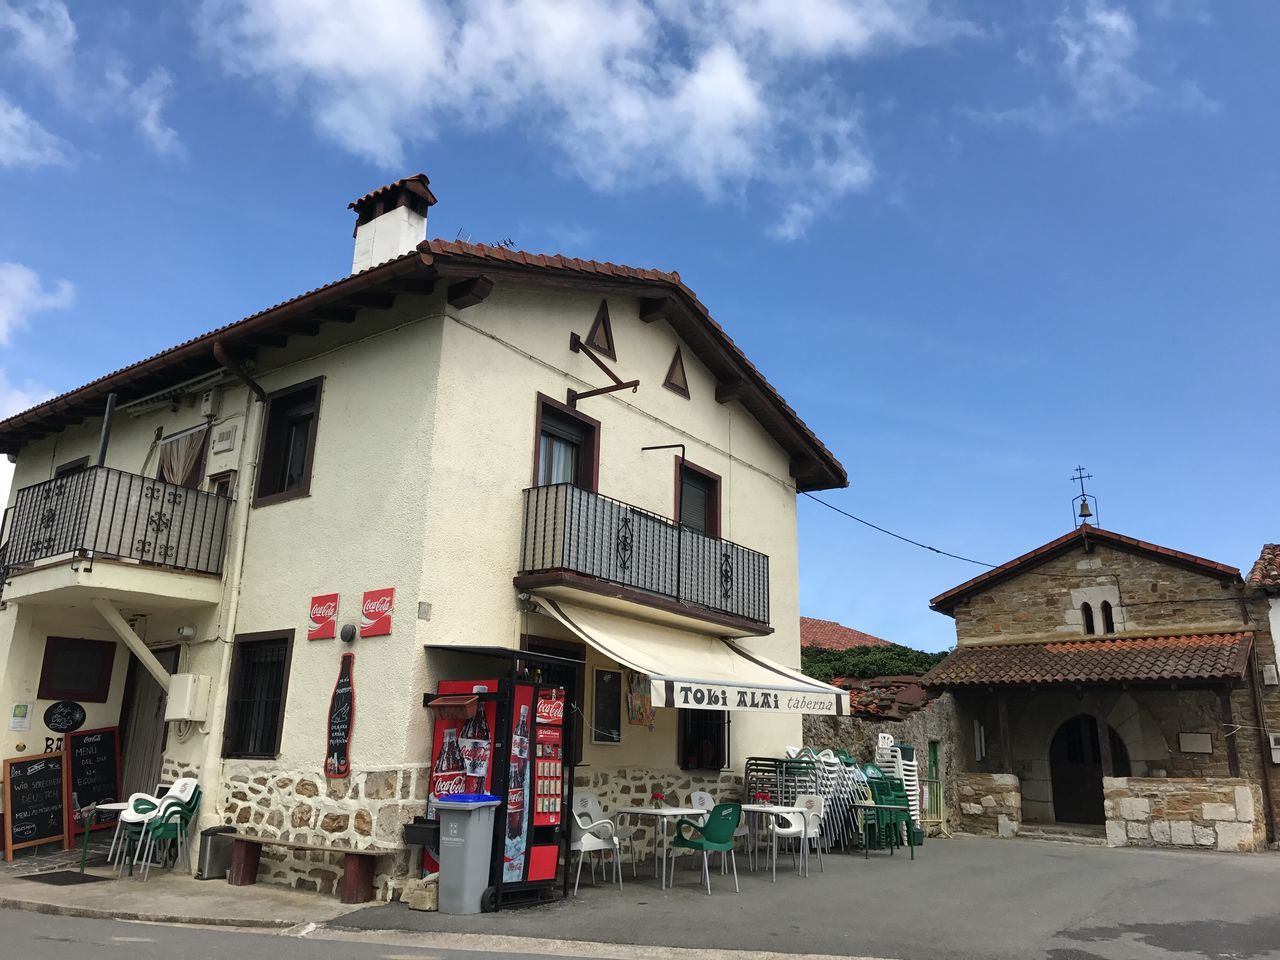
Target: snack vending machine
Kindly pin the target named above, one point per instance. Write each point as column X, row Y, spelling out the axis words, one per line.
column 513, row 746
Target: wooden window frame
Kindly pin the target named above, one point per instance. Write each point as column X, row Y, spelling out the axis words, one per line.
column 713, row 526
column 304, row 488
column 65, row 646
column 589, row 460
column 726, row 746
column 233, row 684
column 71, row 466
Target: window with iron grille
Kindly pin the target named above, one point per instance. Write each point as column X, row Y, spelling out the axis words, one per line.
column 255, row 703
column 703, row 742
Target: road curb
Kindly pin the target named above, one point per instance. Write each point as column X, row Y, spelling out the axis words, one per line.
column 95, row 913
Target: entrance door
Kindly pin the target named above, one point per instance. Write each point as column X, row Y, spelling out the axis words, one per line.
column 1075, row 767
column 142, row 719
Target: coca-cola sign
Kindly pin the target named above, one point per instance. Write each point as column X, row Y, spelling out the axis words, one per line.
column 550, row 709
column 322, row 619
column 448, row 787
column 375, row 612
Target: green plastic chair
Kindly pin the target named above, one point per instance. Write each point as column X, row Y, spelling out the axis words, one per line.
column 713, row 835
column 172, row 825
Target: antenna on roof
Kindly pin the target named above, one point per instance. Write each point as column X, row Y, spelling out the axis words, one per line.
column 1080, row 511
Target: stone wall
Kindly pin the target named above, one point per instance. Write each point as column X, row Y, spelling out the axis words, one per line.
column 990, row 804
column 1039, row 607
column 364, row 811
column 631, row 786
column 935, row 721
column 1219, row 813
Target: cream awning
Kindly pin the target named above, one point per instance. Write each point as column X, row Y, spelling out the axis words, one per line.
column 694, row 671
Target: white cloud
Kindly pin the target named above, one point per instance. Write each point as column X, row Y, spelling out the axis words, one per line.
column 14, row 398
column 24, row 142
column 631, row 92
column 23, row 295
column 1098, row 46
column 41, row 37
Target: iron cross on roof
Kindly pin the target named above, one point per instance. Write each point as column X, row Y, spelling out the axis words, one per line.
column 1084, row 513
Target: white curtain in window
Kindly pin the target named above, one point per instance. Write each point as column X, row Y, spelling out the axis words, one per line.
column 180, row 454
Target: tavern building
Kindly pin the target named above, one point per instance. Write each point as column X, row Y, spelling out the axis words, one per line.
column 456, row 449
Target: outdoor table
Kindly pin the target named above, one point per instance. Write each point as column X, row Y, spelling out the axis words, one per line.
column 866, row 849
column 660, row 817
column 768, row 809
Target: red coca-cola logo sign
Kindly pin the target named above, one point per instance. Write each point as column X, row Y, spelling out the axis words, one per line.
column 448, row 787
column 550, row 709
column 323, row 618
column 375, row 612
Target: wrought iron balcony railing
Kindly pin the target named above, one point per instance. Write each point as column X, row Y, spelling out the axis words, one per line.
column 109, row 513
column 573, row 530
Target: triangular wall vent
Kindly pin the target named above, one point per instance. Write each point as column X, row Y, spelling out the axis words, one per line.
column 676, row 379
column 600, row 338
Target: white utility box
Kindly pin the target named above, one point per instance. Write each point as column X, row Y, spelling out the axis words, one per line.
column 188, row 697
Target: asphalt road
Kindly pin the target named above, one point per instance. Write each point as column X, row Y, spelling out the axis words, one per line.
column 962, row 899
column 32, row 936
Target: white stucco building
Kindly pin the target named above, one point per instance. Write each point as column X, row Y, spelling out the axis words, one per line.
column 425, row 425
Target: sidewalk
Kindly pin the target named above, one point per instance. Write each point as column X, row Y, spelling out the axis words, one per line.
column 171, row 898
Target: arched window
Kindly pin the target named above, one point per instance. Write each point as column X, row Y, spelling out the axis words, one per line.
column 1108, row 621
column 1086, row 615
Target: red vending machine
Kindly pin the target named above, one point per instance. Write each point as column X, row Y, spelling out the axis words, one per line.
column 513, row 746
column 535, row 786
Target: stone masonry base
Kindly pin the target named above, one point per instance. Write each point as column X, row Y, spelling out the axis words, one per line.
column 1223, row 813
column 990, row 804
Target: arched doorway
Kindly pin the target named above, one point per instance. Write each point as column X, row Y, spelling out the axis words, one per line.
column 1075, row 768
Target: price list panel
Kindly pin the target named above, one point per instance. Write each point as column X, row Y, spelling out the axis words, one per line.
column 548, row 776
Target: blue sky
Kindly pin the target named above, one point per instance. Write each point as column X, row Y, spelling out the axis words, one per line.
column 973, row 244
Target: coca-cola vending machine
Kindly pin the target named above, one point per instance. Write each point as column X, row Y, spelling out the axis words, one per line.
column 535, row 786
column 513, row 746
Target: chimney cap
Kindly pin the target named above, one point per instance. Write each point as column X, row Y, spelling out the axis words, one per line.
column 411, row 191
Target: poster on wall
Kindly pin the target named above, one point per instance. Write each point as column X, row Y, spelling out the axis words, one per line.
column 342, row 710
column 375, row 612
column 20, row 718
column 322, row 619
column 639, row 699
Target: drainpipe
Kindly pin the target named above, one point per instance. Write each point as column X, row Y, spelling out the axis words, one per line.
column 105, row 437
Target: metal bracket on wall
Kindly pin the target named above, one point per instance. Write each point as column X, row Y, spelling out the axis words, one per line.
column 577, row 345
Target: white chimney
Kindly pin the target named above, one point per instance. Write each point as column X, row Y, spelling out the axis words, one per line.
column 391, row 221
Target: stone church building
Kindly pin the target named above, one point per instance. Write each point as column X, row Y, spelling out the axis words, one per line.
column 1106, row 686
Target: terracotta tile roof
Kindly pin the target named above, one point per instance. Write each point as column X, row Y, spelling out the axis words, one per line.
column 418, row 184
column 829, row 635
column 822, row 469
column 1215, row 656
column 946, row 602
column 884, row 698
column 1266, row 572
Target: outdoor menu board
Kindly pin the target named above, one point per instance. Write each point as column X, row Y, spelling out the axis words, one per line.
column 94, row 760
column 34, row 807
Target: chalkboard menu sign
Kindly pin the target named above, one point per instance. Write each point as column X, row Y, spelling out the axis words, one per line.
column 342, row 708
column 34, row 808
column 93, row 757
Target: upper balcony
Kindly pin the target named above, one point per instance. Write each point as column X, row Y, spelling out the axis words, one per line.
column 578, row 540
column 168, row 540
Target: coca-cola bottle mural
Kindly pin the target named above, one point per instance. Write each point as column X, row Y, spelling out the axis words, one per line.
column 477, row 746
column 517, row 790
column 449, row 776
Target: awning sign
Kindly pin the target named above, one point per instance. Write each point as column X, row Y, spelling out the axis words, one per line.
column 705, row 696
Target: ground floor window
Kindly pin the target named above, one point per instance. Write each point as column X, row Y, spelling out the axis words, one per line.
column 703, row 742
column 255, row 705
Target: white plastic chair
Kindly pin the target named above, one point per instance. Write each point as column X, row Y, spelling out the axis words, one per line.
column 180, row 790
column 593, row 836
column 786, row 826
column 588, row 804
column 815, row 809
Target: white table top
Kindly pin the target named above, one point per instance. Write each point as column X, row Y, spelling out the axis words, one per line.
column 112, row 807
column 664, row 811
column 769, row 808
